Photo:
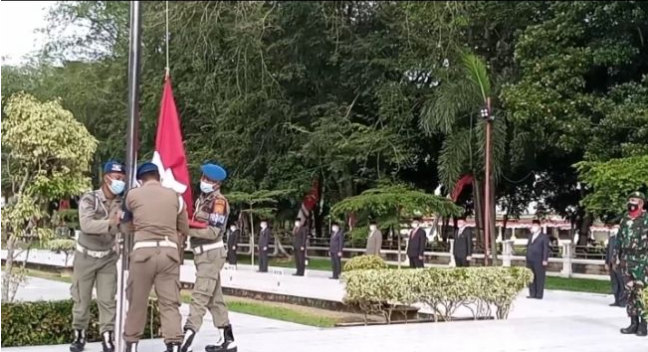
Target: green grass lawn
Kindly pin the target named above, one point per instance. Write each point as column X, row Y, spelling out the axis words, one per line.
column 578, row 285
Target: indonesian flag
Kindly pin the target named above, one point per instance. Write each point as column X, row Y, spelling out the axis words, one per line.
column 309, row 202
column 169, row 155
column 459, row 186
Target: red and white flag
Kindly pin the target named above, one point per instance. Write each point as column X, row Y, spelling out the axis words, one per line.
column 169, row 155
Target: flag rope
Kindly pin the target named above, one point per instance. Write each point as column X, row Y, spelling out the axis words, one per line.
column 166, row 38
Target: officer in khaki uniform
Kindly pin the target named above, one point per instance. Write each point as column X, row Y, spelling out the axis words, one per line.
column 208, row 228
column 95, row 261
column 156, row 216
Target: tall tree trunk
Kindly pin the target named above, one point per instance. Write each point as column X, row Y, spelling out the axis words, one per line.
column 493, row 213
column 9, row 268
column 479, row 214
column 584, row 229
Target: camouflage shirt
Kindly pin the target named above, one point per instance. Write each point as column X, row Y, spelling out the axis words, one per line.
column 632, row 246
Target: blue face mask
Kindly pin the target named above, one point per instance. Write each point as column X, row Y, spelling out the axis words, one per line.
column 206, row 187
column 116, row 186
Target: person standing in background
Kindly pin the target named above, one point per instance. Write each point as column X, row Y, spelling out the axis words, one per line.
column 374, row 240
column 300, row 238
column 264, row 244
column 537, row 259
column 462, row 250
column 335, row 250
column 616, row 279
column 232, row 244
column 416, row 245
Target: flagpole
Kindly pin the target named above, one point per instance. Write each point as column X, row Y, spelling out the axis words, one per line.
column 131, row 160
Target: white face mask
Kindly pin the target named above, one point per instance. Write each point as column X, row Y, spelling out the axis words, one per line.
column 264, row 225
column 297, row 223
column 461, row 225
column 415, row 225
column 232, row 228
column 116, row 186
column 372, row 227
column 535, row 229
column 335, row 229
column 206, row 187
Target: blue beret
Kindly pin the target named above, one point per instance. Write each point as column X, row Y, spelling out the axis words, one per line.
column 146, row 167
column 114, row 166
column 214, row 172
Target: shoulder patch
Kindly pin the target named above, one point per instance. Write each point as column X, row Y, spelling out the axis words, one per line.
column 220, row 206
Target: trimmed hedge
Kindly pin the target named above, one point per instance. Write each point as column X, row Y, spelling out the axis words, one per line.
column 443, row 289
column 50, row 323
column 365, row 262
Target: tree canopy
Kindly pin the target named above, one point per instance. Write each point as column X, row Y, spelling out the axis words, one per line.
column 358, row 93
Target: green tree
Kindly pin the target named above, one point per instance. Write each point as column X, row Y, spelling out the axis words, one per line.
column 611, row 182
column 397, row 202
column 48, row 158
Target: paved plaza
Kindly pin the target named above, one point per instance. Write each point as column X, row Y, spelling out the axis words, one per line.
column 563, row 321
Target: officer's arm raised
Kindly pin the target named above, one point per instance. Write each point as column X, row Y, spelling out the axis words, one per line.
column 89, row 225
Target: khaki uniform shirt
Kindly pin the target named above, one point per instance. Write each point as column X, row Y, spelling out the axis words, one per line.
column 95, row 212
column 157, row 212
column 212, row 208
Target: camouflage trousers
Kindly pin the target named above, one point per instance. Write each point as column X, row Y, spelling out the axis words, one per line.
column 634, row 295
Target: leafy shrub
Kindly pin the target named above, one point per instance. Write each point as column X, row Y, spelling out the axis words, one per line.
column 50, row 323
column 442, row 289
column 62, row 245
column 365, row 262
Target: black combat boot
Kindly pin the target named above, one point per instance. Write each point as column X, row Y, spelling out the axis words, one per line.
column 173, row 347
column 189, row 336
column 634, row 326
column 107, row 341
column 641, row 331
column 130, row 347
column 79, row 341
column 227, row 343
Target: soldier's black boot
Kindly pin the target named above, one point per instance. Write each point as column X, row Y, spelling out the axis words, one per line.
column 130, row 347
column 642, row 330
column 189, row 336
column 173, row 347
column 634, row 326
column 79, row 341
column 108, row 341
column 227, row 343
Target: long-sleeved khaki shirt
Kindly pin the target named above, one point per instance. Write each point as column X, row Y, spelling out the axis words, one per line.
column 157, row 212
column 374, row 242
column 95, row 212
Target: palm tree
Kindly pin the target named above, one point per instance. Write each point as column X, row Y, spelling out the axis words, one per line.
column 453, row 111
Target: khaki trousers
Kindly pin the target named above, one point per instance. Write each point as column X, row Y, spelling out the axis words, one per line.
column 88, row 272
column 207, row 293
column 159, row 267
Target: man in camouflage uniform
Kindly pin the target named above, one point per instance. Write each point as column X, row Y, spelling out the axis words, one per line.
column 632, row 247
column 95, row 261
column 208, row 228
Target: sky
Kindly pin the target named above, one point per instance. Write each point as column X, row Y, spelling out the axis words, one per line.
column 18, row 22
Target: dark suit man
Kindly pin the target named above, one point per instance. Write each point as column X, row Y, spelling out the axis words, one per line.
column 264, row 244
column 537, row 259
column 462, row 251
column 618, row 288
column 232, row 244
column 416, row 245
column 335, row 249
column 300, row 239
